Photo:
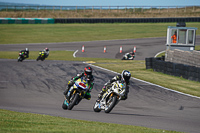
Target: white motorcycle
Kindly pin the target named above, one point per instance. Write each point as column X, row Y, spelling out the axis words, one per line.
column 128, row 56
column 111, row 97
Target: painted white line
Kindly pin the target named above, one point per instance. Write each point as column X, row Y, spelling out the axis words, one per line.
column 147, row 82
column 74, row 54
column 159, row 53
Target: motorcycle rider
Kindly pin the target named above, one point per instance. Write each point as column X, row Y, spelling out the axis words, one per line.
column 46, row 52
column 124, row 77
column 26, row 52
column 130, row 55
column 87, row 75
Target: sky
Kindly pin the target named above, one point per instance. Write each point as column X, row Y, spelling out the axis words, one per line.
column 109, row 2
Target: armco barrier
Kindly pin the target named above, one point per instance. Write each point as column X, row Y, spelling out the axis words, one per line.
column 26, row 21
column 126, row 20
column 94, row 20
column 175, row 69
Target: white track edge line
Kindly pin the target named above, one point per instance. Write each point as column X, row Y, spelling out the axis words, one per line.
column 74, row 54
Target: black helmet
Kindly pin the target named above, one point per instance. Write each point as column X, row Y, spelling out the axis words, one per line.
column 46, row 49
column 126, row 75
column 87, row 71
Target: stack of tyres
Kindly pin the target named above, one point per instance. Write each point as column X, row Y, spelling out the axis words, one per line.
column 148, row 62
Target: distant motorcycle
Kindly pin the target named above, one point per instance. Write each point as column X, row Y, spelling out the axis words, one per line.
column 128, row 56
column 76, row 93
column 111, row 97
column 41, row 56
column 21, row 57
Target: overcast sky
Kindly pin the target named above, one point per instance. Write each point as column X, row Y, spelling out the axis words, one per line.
column 109, row 2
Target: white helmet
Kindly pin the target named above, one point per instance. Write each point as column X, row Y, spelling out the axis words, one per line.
column 126, row 75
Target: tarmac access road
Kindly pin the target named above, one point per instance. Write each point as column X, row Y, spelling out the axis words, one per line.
column 37, row 87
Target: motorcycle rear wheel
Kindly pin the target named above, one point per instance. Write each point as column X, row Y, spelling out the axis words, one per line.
column 110, row 105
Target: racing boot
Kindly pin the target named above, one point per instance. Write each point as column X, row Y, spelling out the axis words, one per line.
column 66, row 91
column 100, row 96
column 70, row 83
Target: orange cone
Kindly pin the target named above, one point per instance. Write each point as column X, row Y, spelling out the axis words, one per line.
column 134, row 50
column 104, row 50
column 120, row 50
column 83, row 50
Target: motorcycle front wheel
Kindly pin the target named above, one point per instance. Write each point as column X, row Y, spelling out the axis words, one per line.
column 96, row 108
column 64, row 106
column 73, row 99
column 38, row 58
column 110, row 104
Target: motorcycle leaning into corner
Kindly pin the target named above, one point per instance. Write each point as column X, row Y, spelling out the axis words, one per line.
column 76, row 93
column 21, row 56
column 111, row 97
column 41, row 56
column 128, row 56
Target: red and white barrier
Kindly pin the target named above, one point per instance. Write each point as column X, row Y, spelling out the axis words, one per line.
column 120, row 50
column 83, row 49
column 104, row 50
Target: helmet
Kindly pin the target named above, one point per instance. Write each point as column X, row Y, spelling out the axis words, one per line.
column 87, row 71
column 46, row 49
column 126, row 75
column 26, row 49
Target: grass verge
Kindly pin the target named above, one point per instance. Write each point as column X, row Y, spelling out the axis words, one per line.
column 15, row 122
column 49, row 33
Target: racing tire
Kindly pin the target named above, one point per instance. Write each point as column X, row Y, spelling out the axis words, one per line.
column 73, row 101
column 111, row 105
column 38, row 58
column 95, row 107
column 123, row 58
column 64, row 106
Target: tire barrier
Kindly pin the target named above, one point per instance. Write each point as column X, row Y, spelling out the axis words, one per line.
column 26, row 21
column 94, row 20
column 174, row 69
column 126, row 20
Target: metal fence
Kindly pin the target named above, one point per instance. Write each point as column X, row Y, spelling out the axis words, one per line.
column 101, row 9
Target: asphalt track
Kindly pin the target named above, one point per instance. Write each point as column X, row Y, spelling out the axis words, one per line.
column 37, row 87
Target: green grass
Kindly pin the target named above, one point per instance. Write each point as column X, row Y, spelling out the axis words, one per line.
column 15, row 122
column 48, row 33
